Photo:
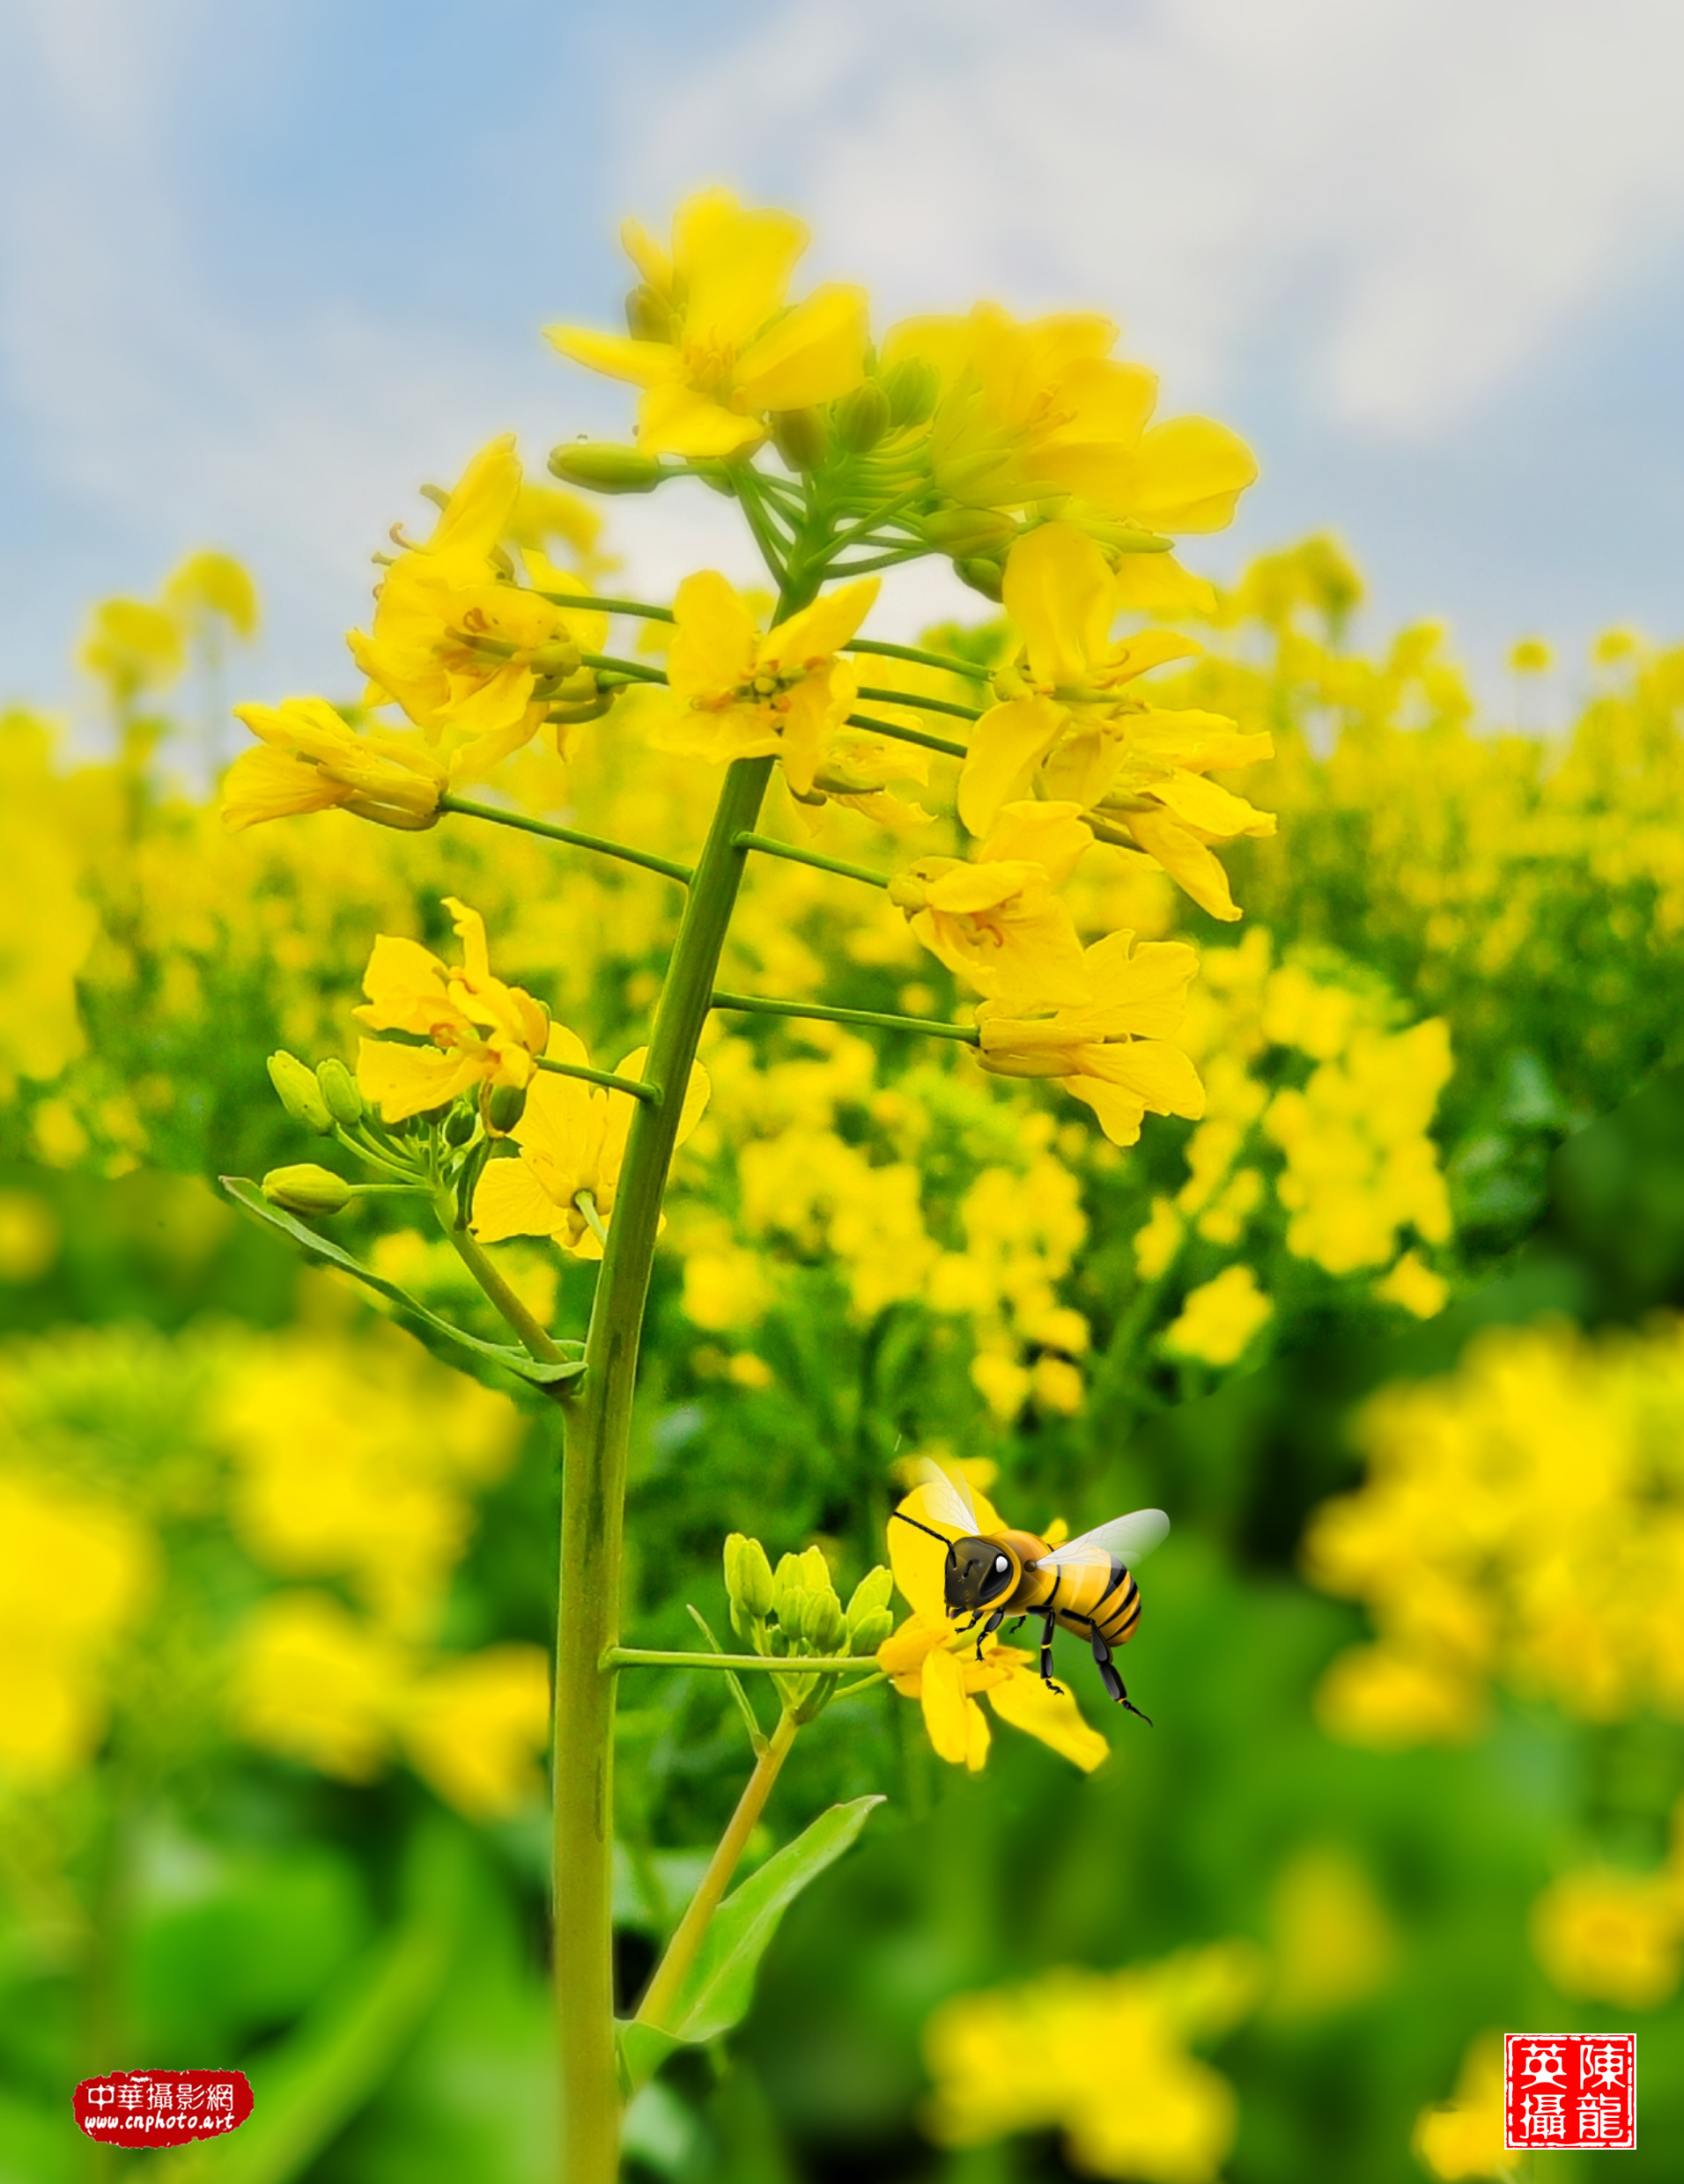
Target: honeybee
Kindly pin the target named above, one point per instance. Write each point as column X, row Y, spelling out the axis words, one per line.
column 1085, row 1586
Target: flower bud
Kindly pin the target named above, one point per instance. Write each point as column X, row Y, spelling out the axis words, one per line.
column 799, row 436
column 965, row 532
column 823, row 1624
column 459, row 1126
column 871, row 1596
column 649, row 316
column 299, row 1092
column 861, row 418
column 557, row 658
column 604, row 467
column 987, row 577
column 340, row 1090
column 911, row 388
column 307, row 1188
column 749, row 1581
column 503, row 1106
column 815, row 1570
column 866, row 1636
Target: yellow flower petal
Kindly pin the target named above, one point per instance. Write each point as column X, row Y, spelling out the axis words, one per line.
column 1024, row 1701
column 1186, row 860
column 1007, row 745
column 478, row 513
column 641, row 362
column 405, row 1081
column 814, row 353
column 957, row 1728
column 735, row 265
column 510, row 1201
column 675, row 420
column 1191, row 471
column 1060, row 593
column 822, row 629
column 714, row 646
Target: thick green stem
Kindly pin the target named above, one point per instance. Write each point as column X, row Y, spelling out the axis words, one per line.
column 598, row 1424
column 692, row 1927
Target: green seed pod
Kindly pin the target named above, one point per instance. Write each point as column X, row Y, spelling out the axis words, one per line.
column 604, row 467
column 861, row 418
column 345, row 1103
column 460, row 1125
column 307, row 1188
column 503, row 1107
column 799, row 436
column 911, row 387
column 965, row 533
column 868, row 1633
column 870, row 1595
column 987, row 577
column 299, row 1092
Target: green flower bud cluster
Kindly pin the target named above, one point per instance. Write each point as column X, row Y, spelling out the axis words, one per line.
column 795, row 1612
column 447, row 1147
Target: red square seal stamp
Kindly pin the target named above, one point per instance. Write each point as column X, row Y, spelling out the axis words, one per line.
column 1569, row 2089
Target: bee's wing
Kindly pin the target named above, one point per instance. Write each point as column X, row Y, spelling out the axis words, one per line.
column 948, row 1498
column 1125, row 1539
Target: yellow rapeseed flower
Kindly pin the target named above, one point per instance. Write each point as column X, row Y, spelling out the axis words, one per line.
column 1463, row 2137
column 997, row 921
column 1111, row 1053
column 309, row 760
column 483, row 1033
column 75, row 1575
column 1068, row 715
column 1103, row 2056
column 457, row 643
column 735, row 694
column 712, row 344
column 572, row 1139
column 920, row 1658
column 1613, row 1935
column 1219, row 1318
column 1026, row 412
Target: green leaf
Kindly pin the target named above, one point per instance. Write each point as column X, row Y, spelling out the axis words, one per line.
column 307, row 2086
column 719, row 1985
column 427, row 1324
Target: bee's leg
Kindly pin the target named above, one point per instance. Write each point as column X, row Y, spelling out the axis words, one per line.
column 1018, row 1623
column 1108, row 1677
column 965, row 1629
column 989, row 1629
column 1047, row 1657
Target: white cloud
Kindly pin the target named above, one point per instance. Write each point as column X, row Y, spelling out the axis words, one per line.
column 1405, row 199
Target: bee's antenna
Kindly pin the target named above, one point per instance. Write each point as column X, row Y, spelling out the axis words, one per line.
column 934, row 1534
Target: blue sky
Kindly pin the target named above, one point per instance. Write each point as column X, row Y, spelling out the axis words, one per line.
column 263, row 269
